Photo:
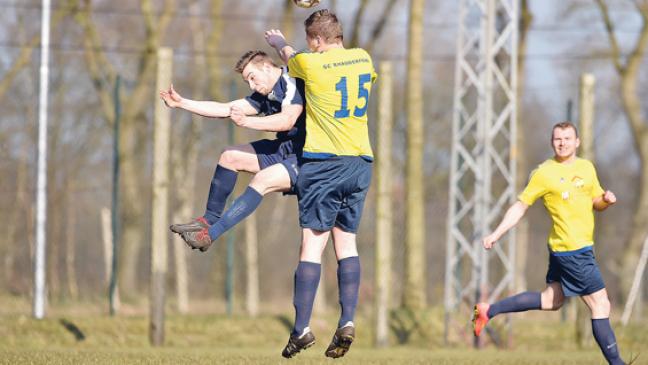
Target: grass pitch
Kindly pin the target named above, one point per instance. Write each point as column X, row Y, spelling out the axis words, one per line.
column 71, row 336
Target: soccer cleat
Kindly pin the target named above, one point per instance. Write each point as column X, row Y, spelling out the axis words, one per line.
column 298, row 343
column 480, row 317
column 341, row 341
column 197, row 239
column 193, row 226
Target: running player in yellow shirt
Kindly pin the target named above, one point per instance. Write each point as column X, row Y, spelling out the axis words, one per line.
column 335, row 169
column 570, row 190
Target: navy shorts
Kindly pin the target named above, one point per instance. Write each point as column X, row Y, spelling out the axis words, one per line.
column 274, row 151
column 332, row 192
column 578, row 274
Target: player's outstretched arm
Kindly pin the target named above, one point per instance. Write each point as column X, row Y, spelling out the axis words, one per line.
column 602, row 202
column 276, row 40
column 282, row 121
column 511, row 218
column 212, row 109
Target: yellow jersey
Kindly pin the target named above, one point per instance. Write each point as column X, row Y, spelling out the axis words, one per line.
column 338, row 84
column 567, row 191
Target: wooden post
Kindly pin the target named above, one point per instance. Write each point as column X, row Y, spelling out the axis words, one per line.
column 159, row 232
column 383, row 207
column 586, row 116
column 414, row 290
column 586, row 126
column 107, row 238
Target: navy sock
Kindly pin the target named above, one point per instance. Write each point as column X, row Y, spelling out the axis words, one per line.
column 222, row 185
column 348, row 273
column 607, row 342
column 307, row 278
column 242, row 207
column 517, row 303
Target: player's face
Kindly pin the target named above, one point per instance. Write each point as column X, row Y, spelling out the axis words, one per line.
column 258, row 78
column 565, row 143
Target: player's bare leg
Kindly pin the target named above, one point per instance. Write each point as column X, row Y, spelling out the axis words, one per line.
column 599, row 306
column 552, row 297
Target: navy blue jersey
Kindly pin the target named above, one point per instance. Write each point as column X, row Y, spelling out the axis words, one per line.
column 287, row 91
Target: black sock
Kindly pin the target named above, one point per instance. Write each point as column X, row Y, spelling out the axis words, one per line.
column 517, row 303
column 222, row 185
column 606, row 340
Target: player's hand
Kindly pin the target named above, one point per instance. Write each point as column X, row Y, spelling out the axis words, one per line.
column 171, row 98
column 275, row 38
column 609, row 197
column 238, row 116
column 489, row 241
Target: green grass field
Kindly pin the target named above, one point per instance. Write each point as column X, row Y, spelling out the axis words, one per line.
column 218, row 339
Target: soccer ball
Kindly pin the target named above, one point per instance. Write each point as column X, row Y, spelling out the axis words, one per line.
column 306, row 3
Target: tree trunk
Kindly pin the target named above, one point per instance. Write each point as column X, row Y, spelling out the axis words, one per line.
column 522, row 228
column 132, row 123
column 586, row 126
column 629, row 73
column 251, row 266
column 384, row 208
column 414, row 291
column 632, row 106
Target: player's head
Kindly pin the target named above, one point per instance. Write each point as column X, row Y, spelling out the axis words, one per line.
column 259, row 71
column 322, row 29
column 564, row 140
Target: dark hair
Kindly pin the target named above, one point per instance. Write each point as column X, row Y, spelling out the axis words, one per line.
column 564, row 125
column 254, row 57
column 324, row 24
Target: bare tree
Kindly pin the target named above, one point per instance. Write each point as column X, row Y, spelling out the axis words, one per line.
column 522, row 229
column 377, row 29
column 628, row 68
column 103, row 74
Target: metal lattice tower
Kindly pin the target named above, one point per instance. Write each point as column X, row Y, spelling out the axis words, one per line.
column 482, row 176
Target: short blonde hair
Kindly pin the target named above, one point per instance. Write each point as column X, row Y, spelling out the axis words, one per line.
column 564, row 125
column 324, row 24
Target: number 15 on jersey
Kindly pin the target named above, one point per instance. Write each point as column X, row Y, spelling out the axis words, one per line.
column 363, row 93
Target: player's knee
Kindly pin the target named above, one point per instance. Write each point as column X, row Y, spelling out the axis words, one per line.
column 260, row 183
column 557, row 302
column 602, row 307
column 552, row 301
column 228, row 158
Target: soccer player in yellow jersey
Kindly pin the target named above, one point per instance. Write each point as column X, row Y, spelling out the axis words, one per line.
column 571, row 191
column 335, row 169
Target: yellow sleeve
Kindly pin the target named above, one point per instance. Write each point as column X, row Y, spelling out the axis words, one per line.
column 597, row 190
column 534, row 189
column 297, row 66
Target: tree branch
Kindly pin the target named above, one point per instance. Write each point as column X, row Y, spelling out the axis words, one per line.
column 609, row 27
column 101, row 71
column 24, row 58
column 380, row 26
column 355, row 32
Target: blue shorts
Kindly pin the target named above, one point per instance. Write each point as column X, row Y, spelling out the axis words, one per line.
column 332, row 192
column 578, row 274
column 274, row 151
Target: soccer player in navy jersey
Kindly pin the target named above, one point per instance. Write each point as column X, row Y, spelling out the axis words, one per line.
column 278, row 100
